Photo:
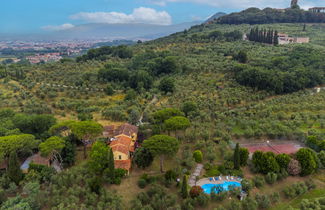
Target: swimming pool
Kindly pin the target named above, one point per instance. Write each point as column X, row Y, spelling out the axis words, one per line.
column 224, row 186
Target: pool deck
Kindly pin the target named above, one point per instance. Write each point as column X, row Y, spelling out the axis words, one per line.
column 223, row 179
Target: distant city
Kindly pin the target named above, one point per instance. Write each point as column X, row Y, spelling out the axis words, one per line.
column 36, row 52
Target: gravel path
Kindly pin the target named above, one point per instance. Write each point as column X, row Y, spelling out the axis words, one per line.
column 196, row 173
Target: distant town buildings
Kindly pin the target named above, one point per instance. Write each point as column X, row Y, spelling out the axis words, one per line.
column 48, row 57
column 44, row 51
column 317, row 9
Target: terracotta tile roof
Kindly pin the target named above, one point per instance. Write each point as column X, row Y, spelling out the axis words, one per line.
column 120, row 148
column 124, row 140
column 126, row 129
column 121, row 144
column 124, row 164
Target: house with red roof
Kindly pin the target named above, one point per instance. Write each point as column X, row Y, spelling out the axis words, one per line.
column 122, row 142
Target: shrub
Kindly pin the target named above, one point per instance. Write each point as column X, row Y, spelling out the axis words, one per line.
column 142, row 183
column 271, row 178
column 263, row 201
column 119, row 172
column 310, row 184
column 95, row 184
column 259, row 181
column 2, row 196
column 195, row 191
column 294, row 167
column 265, row 162
column 247, row 185
column 229, row 165
column 282, row 174
column 275, row 197
column 234, row 205
column 109, row 90
column 295, row 190
column 249, row 204
column 202, row 199
column 45, row 172
column 198, row 156
column 218, row 196
column 283, row 160
column 307, row 159
column 188, row 204
column 212, row 172
column 170, row 175
column 143, row 157
column 310, row 204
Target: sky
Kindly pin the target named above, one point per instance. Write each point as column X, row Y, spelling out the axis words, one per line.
column 34, row 16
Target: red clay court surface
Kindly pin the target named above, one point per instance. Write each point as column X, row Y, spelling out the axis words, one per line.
column 277, row 148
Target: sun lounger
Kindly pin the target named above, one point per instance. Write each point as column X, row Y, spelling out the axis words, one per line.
column 216, row 178
column 210, row 179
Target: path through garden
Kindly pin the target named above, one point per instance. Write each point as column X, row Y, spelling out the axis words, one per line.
column 196, row 173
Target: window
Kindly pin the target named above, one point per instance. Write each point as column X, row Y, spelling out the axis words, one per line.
column 120, row 157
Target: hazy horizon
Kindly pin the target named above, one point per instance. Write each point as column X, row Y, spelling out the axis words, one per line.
column 35, row 16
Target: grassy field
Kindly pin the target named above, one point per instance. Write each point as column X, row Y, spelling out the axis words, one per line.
column 295, row 202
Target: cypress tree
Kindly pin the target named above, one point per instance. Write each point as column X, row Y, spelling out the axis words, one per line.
column 14, row 172
column 111, row 166
column 250, row 37
column 237, row 157
column 271, row 36
column 255, row 34
column 276, row 38
column 260, row 36
column 184, row 190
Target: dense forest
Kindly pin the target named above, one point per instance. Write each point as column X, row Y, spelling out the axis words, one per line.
column 196, row 96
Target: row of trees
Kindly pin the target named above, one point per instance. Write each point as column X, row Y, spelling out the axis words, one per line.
column 305, row 162
column 263, row 36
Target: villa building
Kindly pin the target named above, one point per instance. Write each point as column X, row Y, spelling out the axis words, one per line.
column 122, row 140
column 286, row 39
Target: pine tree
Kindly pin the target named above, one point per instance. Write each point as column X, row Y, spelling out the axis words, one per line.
column 276, row 38
column 184, row 190
column 237, row 157
column 14, row 172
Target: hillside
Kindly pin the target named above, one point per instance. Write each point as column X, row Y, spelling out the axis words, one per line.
column 203, row 76
column 269, row 15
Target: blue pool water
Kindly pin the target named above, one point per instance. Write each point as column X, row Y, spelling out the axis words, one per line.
column 224, row 186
